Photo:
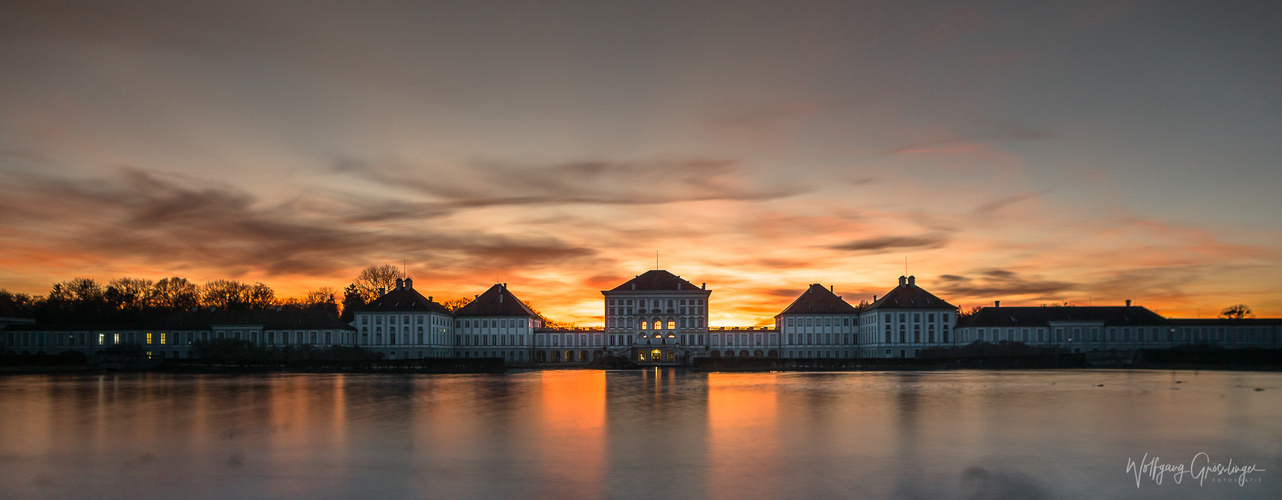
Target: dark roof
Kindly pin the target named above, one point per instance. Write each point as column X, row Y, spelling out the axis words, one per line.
column 204, row 319
column 1043, row 316
column 497, row 301
column 656, row 280
column 819, row 300
column 1225, row 322
column 909, row 296
column 404, row 299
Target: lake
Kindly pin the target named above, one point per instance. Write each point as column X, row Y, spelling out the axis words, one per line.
column 643, row 434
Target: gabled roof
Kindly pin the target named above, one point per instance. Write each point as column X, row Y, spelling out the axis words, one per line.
column 1224, row 322
column 909, row 296
column 403, row 299
column 497, row 301
column 819, row 300
column 656, row 280
column 1043, row 316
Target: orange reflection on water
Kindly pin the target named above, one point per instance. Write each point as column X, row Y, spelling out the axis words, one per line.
column 743, row 437
column 573, row 433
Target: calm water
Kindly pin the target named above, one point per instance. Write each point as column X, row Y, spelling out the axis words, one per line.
column 650, row 434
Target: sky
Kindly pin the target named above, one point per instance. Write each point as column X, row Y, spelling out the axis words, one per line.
column 1029, row 152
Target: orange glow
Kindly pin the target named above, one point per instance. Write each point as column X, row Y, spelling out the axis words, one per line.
column 742, row 430
column 573, row 415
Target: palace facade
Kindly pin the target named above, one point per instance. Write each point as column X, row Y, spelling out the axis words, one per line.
column 656, row 318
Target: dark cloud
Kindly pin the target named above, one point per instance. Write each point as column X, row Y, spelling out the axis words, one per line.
column 586, row 182
column 1003, row 202
column 1001, row 282
column 142, row 215
column 785, row 292
column 893, row 242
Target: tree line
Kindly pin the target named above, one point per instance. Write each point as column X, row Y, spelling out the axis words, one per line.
column 134, row 299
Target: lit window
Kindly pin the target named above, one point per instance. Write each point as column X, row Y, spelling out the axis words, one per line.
column 149, row 339
column 162, row 338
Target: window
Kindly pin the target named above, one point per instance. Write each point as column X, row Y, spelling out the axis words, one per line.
column 162, row 338
column 149, row 339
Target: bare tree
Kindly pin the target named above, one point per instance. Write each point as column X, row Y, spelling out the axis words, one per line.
column 1238, row 311
column 373, row 278
column 456, row 304
column 260, row 296
column 129, row 293
column 175, row 293
column 224, row 294
column 322, row 295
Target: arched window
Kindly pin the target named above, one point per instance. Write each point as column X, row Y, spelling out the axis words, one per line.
column 672, row 324
column 658, row 324
column 643, row 324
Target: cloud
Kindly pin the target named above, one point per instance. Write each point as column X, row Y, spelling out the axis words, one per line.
column 1003, row 202
column 136, row 214
column 1001, row 282
column 876, row 245
column 601, row 182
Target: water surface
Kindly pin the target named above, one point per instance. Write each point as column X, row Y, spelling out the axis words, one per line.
column 637, row 434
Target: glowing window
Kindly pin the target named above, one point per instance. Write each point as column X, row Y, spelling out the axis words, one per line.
column 162, row 338
column 149, row 338
column 672, row 324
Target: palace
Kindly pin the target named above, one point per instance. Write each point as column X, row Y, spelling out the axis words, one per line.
column 654, row 318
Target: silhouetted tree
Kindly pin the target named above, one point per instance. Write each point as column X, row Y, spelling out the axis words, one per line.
column 1238, row 311
column 456, row 304
column 373, row 278
column 322, row 295
column 175, row 294
column 963, row 313
column 352, row 300
column 23, row 304
column 131, row 294
column 260, row 296
column 225, row 294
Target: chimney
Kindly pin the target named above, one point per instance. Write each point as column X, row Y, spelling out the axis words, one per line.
column 902, row 280
column 1128, row 302
column 874, row 298
column 382, row 291
column 704, row 287
column 409, row 284
column 400, row 284
column 997, row 303
column 912, row 281
column 830, row 290
column 429, row 298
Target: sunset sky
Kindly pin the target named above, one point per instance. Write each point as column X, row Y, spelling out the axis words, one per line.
column 1085, row 152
